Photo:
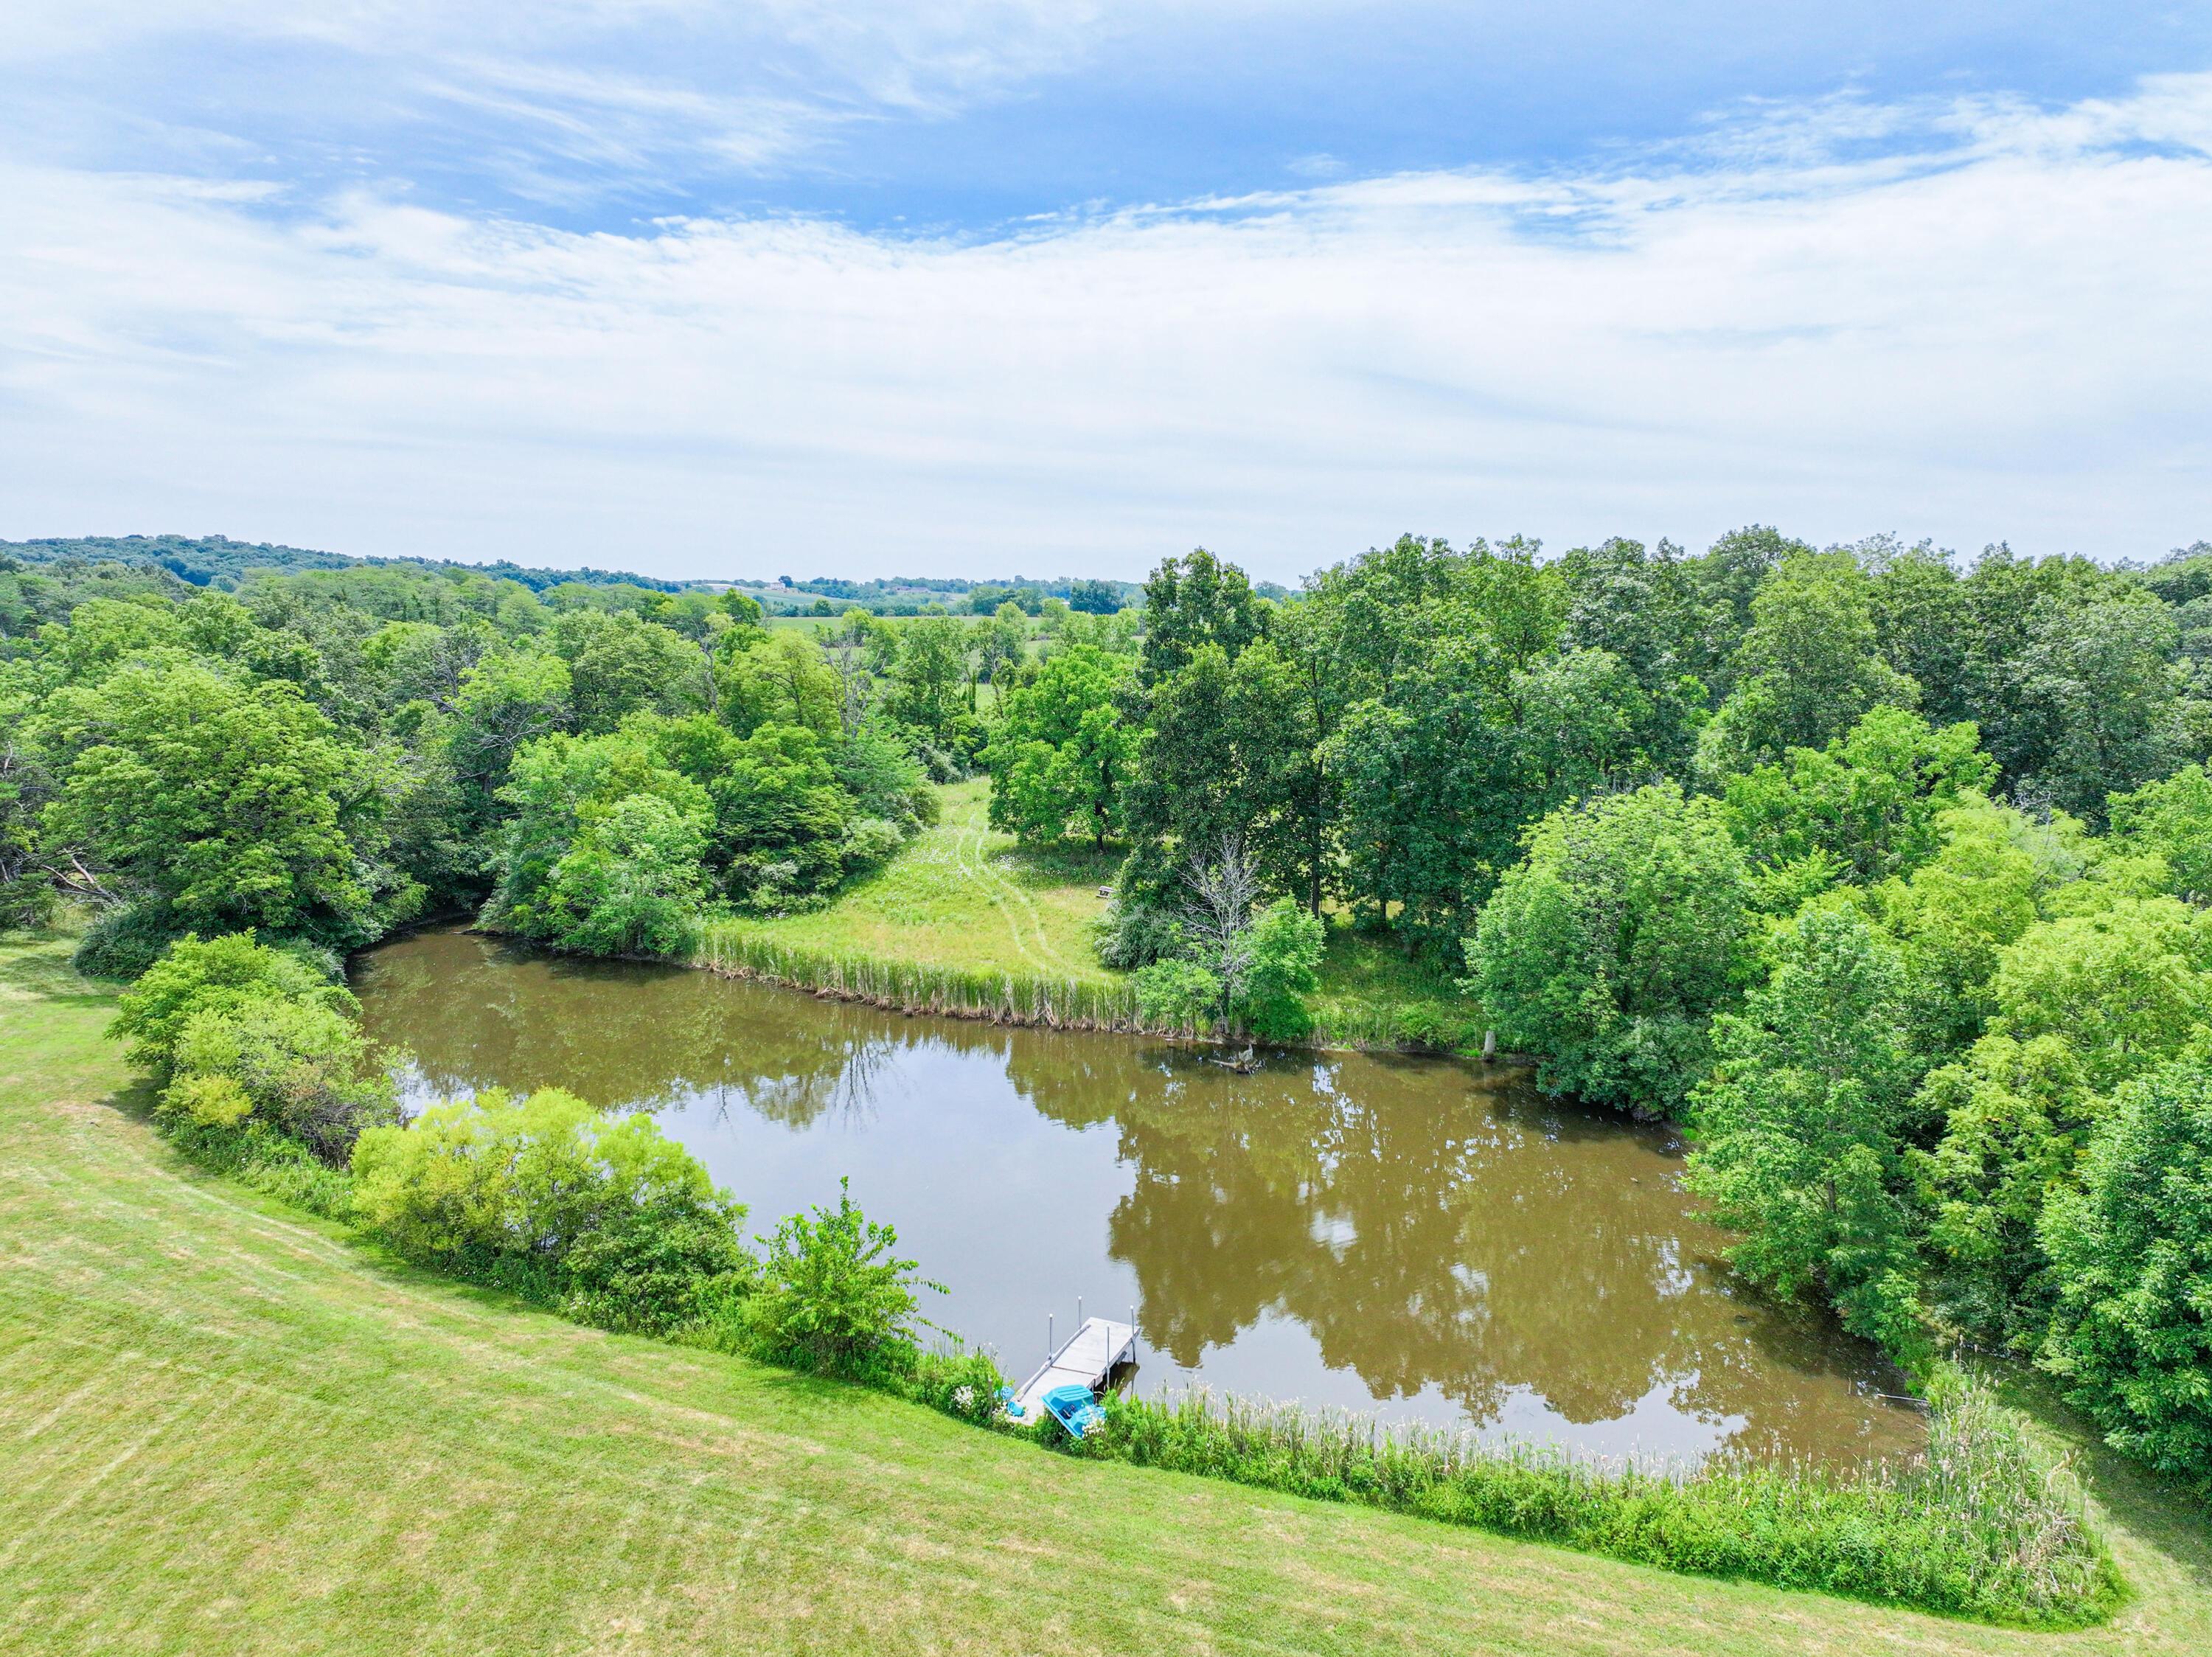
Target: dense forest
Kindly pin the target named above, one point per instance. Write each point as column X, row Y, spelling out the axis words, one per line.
column 1885, row 874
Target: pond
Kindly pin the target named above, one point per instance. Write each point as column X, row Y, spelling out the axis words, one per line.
column 1418, row 1238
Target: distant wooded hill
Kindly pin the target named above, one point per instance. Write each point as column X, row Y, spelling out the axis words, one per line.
column 219, row 562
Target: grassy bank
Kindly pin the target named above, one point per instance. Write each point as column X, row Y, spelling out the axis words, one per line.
column 223, row 1429
column 966, row 921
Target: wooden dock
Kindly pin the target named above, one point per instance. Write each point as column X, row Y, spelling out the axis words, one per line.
column 1086, row 1358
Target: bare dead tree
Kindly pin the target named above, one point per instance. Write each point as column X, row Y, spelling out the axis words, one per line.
column 1220, row 919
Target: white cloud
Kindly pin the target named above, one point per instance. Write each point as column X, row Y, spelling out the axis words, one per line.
column 1998, row 334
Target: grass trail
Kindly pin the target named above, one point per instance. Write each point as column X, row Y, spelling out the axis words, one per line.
column 224, row 1429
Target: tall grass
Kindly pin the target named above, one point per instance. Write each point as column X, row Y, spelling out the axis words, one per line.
column 1984, row 1524
column 1054, row 1004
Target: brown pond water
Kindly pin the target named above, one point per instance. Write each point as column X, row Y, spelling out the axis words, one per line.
column 1418, row 1238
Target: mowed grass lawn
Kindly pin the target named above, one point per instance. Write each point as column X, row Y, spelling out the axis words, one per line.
column 963, row 895
column 225, row 1429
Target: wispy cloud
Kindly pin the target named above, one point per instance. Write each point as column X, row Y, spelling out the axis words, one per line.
column 1993, row 329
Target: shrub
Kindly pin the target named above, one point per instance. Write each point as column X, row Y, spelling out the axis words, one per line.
column 124, row 940
column 1179, row 994
column 959, row 1381
column 2132, row 1255
column 545, row 1196
column 223, row 973
column 1282, row 968
column 631, row 884
column 1132, row 935
column 300, row 1066
column 869, row 841
column 833, row 1298
column 28, row 900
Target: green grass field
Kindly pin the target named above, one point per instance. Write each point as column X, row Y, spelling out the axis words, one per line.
column 965, row 896
column 962, row 895
column 224, row 1428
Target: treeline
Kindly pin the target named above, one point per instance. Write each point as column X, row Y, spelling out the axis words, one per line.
column 1886, row 876
column 323, row 756
column 909, row 595
column 218, row 561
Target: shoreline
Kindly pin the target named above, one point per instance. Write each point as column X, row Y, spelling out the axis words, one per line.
column 917, row 989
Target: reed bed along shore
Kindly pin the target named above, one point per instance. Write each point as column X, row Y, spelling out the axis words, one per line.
column 1984, row 1523
column 1044, row 1001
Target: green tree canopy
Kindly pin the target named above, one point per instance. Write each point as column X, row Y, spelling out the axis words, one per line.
column 1192, row 602
column 1807, row 668
column 2132, row 1249
column 1607, row 949
column 1062, row 750
column 228, row 805
column 1799, row 1127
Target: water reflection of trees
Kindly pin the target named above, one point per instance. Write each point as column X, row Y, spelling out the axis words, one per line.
column 1430, row 1229
column 474, row 1014
column 1428, row 1223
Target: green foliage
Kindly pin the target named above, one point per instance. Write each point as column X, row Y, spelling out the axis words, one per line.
column 1607, row 949
column 779, row 678
column 620, row 664
column 1193, row 602
column 230, row 804
column 221, row 974
column 780, row 819
column 244, row 1035
column 1095, row 598
column 1129, row 935
column 2015, row 1115
column 2124, row 985
column 1989, row 1526
column 1799, row 1127
column 299, row 1065
column 1282, row 968
column 929, row 682
column 1178, row 994
column 1808, row 668
column 2132, row 1253
column 630, row 883
column 1062, row 749
column 508, row 700
column 1997, row 874
column 2106, row 708
column 2172, row 820
column 584, row 838
column 545, row 1196
column 834, row 1297
column 883, row 780
column 1867, row 807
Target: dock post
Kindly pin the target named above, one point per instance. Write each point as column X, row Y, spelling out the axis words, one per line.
column 1133, row 1334
column 1047, row 1337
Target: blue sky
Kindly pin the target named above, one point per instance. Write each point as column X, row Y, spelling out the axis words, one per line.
column 943, row 287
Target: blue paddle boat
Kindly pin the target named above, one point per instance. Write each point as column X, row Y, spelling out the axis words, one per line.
column 1075, row 1408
